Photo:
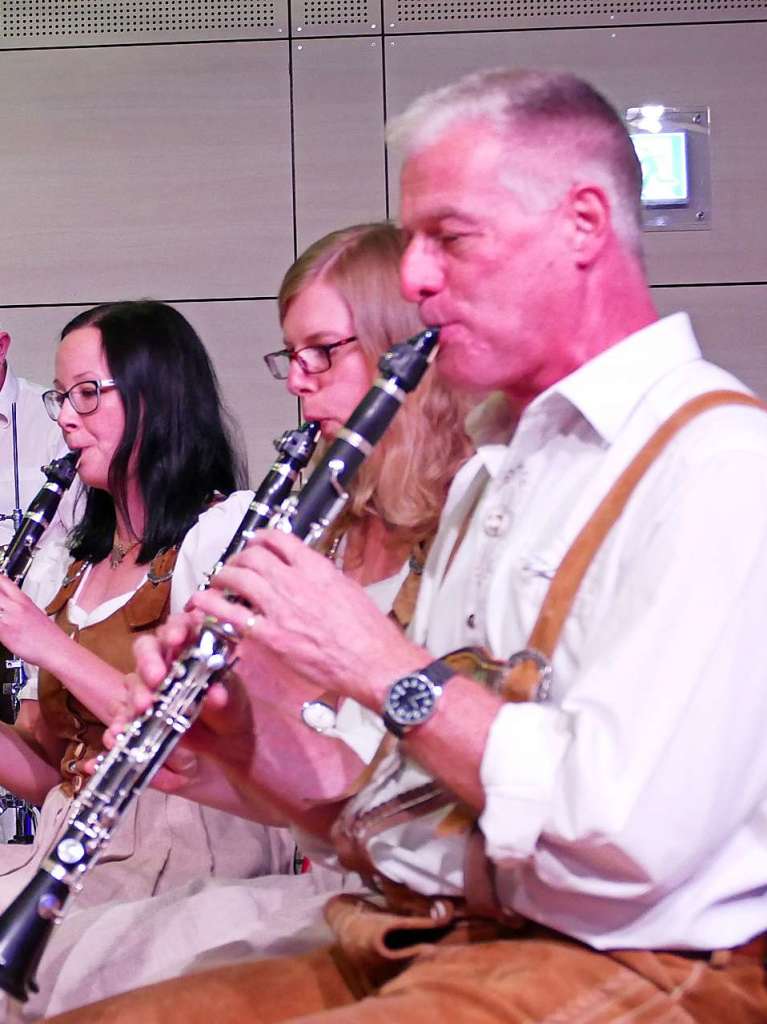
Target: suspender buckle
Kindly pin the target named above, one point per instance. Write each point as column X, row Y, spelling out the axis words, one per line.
column 531, row 670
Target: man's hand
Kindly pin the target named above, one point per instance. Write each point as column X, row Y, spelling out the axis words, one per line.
column 222, row 731
column 301, row 617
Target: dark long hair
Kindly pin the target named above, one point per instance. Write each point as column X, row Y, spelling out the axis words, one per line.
column 176, row 430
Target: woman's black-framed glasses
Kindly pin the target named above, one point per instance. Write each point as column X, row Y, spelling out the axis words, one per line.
column 312, row 359
column 83, row 397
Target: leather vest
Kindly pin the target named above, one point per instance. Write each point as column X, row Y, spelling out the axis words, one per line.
column 112, row 641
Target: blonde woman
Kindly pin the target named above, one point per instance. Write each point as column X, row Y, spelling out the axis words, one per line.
column 340, row 309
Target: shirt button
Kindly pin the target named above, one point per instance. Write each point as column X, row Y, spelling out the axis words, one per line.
column 496, row 522
column 471, row 620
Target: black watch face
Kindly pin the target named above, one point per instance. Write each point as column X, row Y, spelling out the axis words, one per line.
column 411, row 700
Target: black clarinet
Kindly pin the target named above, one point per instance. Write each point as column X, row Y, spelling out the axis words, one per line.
column 141, row 750
column 15, row 560
column 294, row 452
column 17, row 556
column 123, row 773
column 323, row 497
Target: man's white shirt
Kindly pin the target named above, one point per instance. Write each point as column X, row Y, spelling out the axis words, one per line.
column 631, row 810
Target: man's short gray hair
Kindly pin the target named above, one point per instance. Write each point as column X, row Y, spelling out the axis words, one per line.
column 575, row 133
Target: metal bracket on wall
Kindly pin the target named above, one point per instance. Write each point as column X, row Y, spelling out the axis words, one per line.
column 673, row 147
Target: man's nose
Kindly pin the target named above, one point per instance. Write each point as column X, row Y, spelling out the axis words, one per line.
column 420, row 273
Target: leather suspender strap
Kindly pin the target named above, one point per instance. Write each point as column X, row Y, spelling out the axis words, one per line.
column 520, row 682
column 404, row 602
column 67, row 588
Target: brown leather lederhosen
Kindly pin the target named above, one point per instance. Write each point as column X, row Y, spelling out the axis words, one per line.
column 353, row 831
column 112, row 640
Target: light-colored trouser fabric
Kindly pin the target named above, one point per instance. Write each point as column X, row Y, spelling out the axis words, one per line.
column 162, row 844
column 511, row 981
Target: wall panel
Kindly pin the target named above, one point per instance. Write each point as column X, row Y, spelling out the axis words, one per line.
column 27, row 23
column 335, row 18
column 729, row 322
column 190, row 169
column 237, row 334
column 410, row 16
column 720, row 66
column 135, row 170
column 339, row 144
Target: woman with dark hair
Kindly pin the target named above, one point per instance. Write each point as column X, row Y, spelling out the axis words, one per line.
column 175, row 441
column 136, row 394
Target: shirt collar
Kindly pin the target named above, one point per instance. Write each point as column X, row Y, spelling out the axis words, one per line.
column 607, row 389
column 9, row 393
column 604, row 390
column 490, row 426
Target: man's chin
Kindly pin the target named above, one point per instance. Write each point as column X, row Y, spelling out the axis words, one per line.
column 454, row 367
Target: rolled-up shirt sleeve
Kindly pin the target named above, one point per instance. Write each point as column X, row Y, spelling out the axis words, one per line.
column 534, row 739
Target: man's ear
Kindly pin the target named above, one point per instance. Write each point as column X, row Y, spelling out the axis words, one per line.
column 591, row 222
column 5, row 343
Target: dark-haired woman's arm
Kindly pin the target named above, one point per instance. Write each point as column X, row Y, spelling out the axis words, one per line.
column 33, row 637
column 28, row 755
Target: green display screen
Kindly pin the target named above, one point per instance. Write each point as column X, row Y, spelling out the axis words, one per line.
column 663, row 156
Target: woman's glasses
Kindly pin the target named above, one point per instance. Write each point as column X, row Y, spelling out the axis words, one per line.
column 312, row 359
column 83, row 397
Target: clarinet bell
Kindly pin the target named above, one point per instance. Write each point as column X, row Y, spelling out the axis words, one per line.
column 25, row 928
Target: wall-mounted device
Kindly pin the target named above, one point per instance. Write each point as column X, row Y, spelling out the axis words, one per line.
column 673, row 149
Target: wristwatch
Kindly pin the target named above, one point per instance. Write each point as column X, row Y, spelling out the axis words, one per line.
column 412, row 699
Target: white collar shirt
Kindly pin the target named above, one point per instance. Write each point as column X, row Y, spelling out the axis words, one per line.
column 631, row 810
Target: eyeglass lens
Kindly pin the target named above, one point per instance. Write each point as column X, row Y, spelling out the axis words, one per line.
column 84, row 398
column 312, row 359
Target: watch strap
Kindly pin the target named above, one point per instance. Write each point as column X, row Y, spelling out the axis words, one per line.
column 437, row 672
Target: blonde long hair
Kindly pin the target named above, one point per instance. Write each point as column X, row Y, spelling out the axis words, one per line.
column 405, row 480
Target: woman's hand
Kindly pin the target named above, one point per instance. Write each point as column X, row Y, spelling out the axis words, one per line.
column 24, row 628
